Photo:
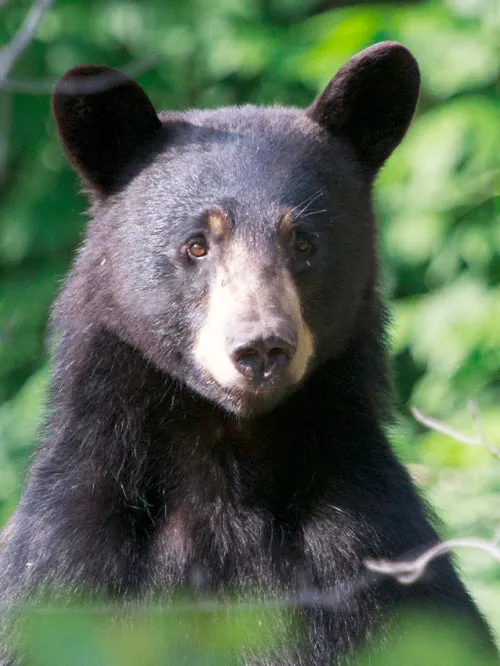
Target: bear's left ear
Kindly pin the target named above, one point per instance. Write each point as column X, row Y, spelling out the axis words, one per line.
column 370, row 101
column 105, row 121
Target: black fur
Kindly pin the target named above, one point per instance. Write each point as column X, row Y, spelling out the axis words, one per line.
column 148, row 479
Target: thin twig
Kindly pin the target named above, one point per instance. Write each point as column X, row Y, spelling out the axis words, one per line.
column 332, row 598
column 26, row 34
column 473, row 411
column 407, row 572
column 79, row 86
column 5, row 123
column 444, row 429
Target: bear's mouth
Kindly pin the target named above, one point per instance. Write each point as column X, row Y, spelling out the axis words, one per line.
column 249, row 400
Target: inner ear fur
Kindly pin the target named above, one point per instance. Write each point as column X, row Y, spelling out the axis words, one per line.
column 370, row 101
column 105, row 121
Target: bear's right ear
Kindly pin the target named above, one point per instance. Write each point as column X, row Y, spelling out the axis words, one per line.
column 370, row 102
column 104, row 120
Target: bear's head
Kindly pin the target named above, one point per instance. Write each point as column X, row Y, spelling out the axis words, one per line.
column 233, row 248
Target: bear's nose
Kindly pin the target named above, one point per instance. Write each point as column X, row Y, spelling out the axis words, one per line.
column 264, row 358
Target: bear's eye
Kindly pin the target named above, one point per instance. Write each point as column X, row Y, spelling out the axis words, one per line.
column 303, row 249
column 302, row 244
column 196, row 248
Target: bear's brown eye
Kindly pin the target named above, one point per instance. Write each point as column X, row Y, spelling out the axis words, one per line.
column 303, row 249
column 197, row 248
column 302, row 244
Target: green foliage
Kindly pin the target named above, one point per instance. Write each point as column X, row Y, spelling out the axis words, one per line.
column 438, row 203
column 191, row 635
column 429, row 639
column 210, row 637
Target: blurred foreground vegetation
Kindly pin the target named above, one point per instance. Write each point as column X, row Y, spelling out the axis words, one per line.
column 82, row 637
column 438, row 202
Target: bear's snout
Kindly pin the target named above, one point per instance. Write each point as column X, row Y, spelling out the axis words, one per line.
column 263, row 359
column 254, row 339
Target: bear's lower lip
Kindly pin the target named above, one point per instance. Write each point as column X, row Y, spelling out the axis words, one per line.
column 254, row 400
column 270, row 386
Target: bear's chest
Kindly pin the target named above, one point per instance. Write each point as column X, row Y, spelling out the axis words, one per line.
column 217, row 548
column 225, row 547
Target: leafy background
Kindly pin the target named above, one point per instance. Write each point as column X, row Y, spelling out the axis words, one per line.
column 438, row 203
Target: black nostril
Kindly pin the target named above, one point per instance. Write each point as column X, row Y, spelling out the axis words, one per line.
column 276, row 357
column 249, row 360
column 260, row 359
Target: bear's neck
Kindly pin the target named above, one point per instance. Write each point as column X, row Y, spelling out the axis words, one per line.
column 156, row 438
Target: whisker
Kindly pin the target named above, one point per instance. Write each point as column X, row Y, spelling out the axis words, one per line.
column 306, row 202
column 316, row 212
column 316, row 196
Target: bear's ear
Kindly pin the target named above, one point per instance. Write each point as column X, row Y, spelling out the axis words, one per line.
column 104, row 120
column 370, row 101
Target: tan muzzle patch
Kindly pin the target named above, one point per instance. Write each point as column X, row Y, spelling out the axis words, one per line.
column 240, row 298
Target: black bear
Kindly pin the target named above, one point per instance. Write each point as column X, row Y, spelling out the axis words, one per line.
column 220, row 387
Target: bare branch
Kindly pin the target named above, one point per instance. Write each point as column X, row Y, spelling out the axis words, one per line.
column 5, row 123
column 26, row 34
column 407, row 572
column 494, row 450
column 444, row 429
column 79, row 86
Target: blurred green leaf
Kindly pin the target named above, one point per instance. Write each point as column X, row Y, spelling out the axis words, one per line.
column 438, row 201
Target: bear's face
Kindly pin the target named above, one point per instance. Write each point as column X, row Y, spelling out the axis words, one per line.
column 229, row 263
column 238, row 244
